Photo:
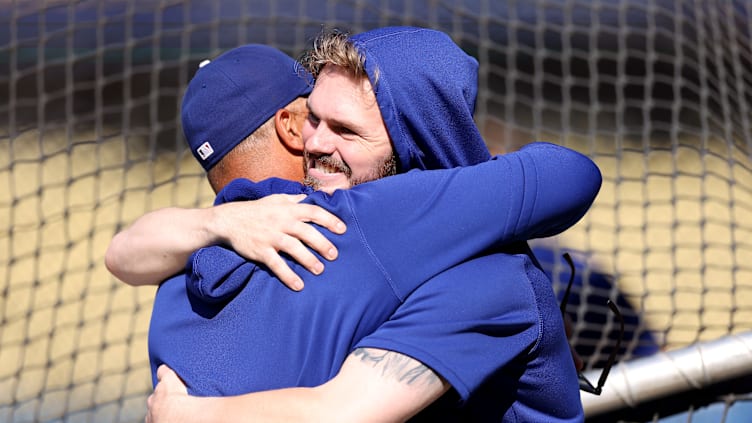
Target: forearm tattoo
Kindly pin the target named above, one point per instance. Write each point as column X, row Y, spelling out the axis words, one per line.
column 395, row 365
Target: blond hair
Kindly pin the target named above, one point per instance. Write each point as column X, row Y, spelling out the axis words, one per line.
column 334, row 47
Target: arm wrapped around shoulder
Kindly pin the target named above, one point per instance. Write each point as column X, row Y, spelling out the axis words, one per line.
column 560, row 186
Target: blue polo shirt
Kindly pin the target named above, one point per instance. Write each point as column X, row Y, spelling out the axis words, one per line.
column 402, row 282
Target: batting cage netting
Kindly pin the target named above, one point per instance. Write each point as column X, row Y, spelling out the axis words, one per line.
column 657, row 92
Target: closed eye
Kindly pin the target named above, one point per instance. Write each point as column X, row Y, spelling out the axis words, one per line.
column 343, row 130
column 313, row 119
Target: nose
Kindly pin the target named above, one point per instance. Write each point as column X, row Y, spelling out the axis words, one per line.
column 320, row 140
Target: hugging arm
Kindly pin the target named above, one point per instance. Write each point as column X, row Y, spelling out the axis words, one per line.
column 541, row 191
column 372, row 385
column 538, row 191
column 444, row 217
column 158, row 244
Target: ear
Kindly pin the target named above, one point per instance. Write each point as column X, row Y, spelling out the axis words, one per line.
column 289, row 129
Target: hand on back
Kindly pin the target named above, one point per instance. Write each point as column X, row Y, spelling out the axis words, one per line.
column 261, row 230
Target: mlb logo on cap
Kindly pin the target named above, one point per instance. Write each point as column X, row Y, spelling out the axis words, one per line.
column 205, row 150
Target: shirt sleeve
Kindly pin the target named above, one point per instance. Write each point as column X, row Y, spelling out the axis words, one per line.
column 421, row 223
column 492, row 328
column 467, row 323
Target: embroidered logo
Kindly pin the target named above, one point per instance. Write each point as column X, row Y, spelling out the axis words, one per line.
column 205, row 150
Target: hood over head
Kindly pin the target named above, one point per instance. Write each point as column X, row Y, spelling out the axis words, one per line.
column 426, row 87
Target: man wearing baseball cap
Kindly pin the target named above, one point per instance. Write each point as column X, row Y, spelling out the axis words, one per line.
column 242, row 114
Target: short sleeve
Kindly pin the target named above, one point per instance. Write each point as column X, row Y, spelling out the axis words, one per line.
column 468, row 323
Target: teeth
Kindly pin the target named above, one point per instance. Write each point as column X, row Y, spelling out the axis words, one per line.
column 326, row 169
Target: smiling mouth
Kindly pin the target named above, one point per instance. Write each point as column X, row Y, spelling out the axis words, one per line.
column 326, row 168
column 328, row 165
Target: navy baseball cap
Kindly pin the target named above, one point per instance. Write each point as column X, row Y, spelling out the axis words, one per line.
column 231, row 96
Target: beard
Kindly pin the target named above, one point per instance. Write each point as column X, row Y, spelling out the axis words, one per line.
column 386, row 167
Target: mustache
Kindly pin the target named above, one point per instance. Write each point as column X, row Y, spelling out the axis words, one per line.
column 328, row 161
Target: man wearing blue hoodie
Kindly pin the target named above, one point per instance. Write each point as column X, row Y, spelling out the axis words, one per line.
column 505, row 356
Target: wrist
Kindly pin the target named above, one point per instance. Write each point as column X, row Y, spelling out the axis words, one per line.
column 214, row 226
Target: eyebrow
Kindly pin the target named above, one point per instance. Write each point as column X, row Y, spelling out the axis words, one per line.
column 355, row 127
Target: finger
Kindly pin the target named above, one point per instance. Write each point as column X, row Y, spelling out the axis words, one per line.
column 302, row 255
column 316, row 214
column 303, row 233
column 290, row 198
column 283, row 272
column 162, row 371
column 296, row 244
column 149, row 404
